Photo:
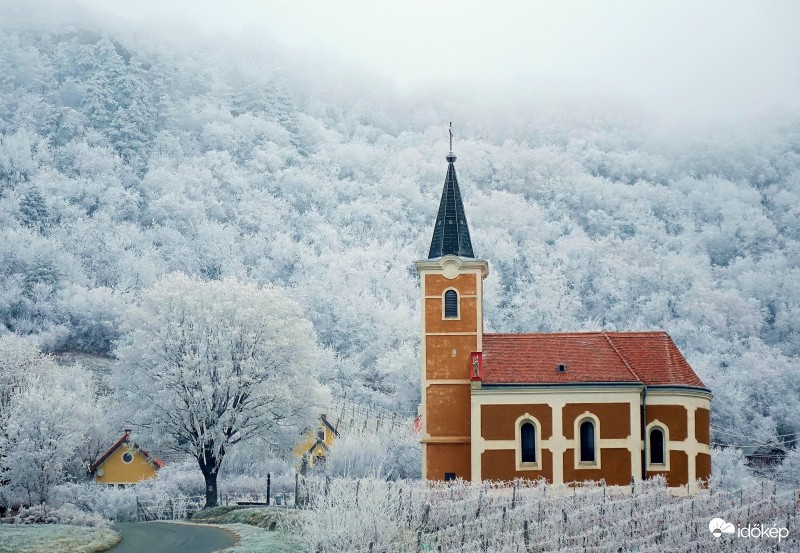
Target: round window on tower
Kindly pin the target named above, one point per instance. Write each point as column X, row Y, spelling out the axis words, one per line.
column 127, row 457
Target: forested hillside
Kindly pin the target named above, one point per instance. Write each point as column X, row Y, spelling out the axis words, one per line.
column 123, row 159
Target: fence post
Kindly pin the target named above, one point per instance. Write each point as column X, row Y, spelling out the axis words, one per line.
column 526, row 536
column 399, row 502
column 296, row 487
column 463, row 530
column 269, row 485
column 514, row 493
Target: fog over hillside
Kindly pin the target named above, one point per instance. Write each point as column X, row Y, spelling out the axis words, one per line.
column 124, row 157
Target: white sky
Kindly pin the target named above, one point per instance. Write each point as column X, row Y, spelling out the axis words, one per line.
column 698, row 59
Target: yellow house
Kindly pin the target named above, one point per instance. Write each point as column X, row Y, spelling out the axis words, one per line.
column 316, row 443
column 125, row 463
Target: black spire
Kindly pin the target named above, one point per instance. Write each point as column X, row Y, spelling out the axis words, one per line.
column 450, row 233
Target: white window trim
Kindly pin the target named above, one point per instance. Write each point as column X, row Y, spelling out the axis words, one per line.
column 577, row 441
column 122, row 456
column 537, row 427
column 458, row 304
column 658, row 467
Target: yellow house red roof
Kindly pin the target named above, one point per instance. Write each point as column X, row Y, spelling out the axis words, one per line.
column 651, row 358
column 126, row 438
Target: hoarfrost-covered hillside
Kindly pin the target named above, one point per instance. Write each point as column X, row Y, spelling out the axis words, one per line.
column 124, row 158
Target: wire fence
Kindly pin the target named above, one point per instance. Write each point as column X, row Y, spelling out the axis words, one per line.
column 352, row 416
column 180, row 506
column 172, row 507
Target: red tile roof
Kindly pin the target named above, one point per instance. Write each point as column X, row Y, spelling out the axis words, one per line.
column 651, row 358
column 124, row 440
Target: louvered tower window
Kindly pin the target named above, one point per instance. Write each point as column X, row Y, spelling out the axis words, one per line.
column 451, row 304
column 528, row 437
column 656, row 446
column 587, row 441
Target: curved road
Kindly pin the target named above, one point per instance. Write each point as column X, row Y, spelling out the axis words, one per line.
column 168, row 537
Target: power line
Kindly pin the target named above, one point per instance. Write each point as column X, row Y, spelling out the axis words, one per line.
column 718, row 429
column 760, row 444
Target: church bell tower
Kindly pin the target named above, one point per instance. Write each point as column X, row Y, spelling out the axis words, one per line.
column 451, row 289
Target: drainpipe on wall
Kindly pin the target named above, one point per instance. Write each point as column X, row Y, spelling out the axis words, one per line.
column 644, row 431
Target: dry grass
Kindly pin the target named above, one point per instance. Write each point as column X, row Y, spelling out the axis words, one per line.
column 268, row 518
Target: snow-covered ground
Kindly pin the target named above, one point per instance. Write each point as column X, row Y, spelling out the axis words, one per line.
column 50, row 538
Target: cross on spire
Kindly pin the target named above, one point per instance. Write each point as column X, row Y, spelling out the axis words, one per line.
column 451, row 137
column 450, row 232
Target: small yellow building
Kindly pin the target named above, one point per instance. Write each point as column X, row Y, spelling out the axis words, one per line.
column 316, row 443
column 125, row 463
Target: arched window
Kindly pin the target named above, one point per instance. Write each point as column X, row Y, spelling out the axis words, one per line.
column 451, row 304
column 656, row 446
column 528, row 443
column 587, row 442
column 528, row 438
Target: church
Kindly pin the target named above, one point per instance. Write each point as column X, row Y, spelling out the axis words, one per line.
column 565, row 407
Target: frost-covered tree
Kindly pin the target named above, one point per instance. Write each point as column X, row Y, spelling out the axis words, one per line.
column 33, row 209
column 45, row 428
column 789, row 471
column 50, row 421
column 729, row 469
column 21, row 363
column 391, row 456
column 212, row 364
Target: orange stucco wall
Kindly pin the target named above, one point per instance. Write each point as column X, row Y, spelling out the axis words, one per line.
column 435, row 285
column 703, row 467
column 467, row 321
column 448, row 345
column 448, row 410
column 702, row 426
column 678, row 474
column 501, row 464
column 615, row 468
column 674, row 416
column 615, row 418
column 443, row 458
column 440, row 361
column 498, row 421
column 115, row 471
